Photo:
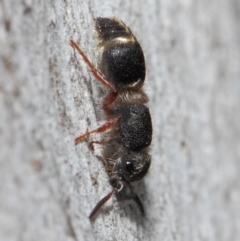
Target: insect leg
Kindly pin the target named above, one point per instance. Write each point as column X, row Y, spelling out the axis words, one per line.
column 90, row 145
column 108, row 125
column 98, row 75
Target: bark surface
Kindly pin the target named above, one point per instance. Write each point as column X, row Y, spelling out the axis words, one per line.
column 49, row 186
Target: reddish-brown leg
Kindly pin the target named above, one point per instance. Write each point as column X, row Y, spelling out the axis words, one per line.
column 108, row 125
column 108, row 100
column 90, row 145
column 99, row 76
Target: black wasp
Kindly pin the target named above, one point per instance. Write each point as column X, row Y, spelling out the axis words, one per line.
column 128, row 121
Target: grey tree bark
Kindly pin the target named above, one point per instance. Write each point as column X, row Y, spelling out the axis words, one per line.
column 48, row 186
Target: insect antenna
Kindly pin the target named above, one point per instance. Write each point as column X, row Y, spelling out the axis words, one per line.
column 101, row 203
column 135, row 197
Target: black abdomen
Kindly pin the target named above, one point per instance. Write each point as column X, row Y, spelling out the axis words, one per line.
column 109, row 29
column 122, row 60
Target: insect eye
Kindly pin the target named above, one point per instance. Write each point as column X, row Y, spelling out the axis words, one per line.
column 134, row 166
column 129, row 167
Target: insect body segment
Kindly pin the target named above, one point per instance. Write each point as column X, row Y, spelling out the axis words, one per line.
column 122, row 61
column 135, row 126
column 122, row 70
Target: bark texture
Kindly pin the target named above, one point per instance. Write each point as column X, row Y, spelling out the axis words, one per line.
column 48, row 186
